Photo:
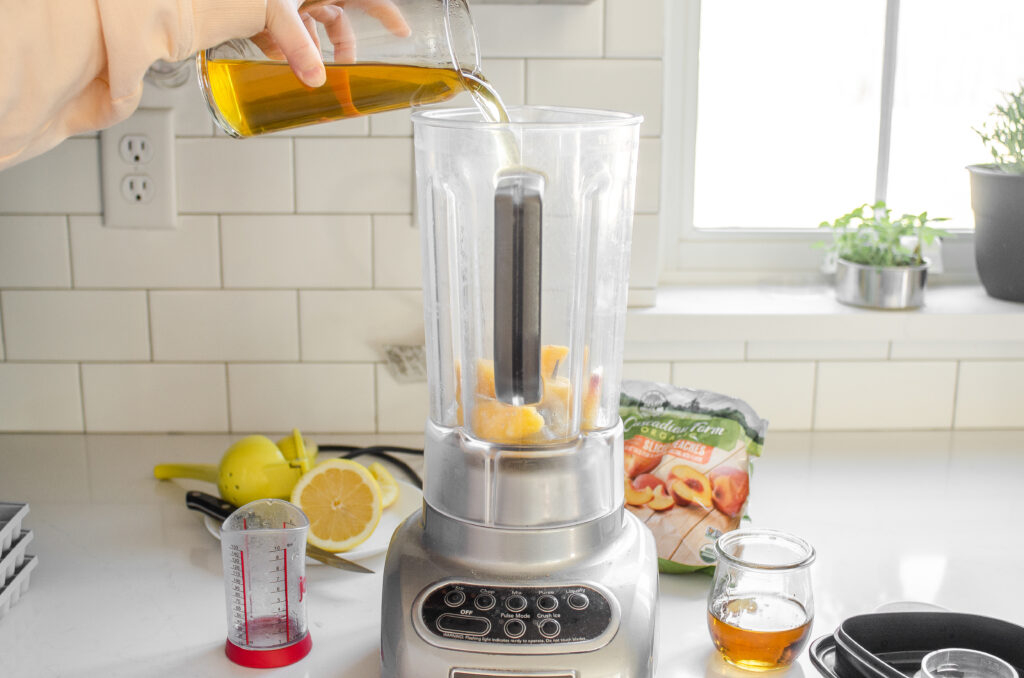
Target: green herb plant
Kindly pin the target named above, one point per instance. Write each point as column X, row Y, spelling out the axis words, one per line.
column 869, row 235
column 1005, row 134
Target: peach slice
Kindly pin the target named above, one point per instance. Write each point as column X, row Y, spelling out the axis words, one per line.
column 501, row 423
column 729, row 489
column 638, row 464
column 649, row 480
column 660, row 501
column 636, row 497
column 689, row 486
column 551, row 356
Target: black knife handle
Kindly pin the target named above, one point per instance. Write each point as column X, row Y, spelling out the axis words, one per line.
column 215, row 507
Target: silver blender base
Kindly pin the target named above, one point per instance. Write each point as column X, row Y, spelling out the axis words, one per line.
column 465, row 601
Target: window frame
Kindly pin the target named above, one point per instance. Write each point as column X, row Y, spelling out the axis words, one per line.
column 738, row 255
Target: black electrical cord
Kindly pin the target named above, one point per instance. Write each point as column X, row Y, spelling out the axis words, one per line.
column 381, row 452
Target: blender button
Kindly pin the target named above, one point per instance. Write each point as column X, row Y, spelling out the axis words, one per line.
column 454, row 598
column 515, row 628
column 549, row 628
column 515, row 603
column 578, row 601
column 484, row 601
column 547, row 603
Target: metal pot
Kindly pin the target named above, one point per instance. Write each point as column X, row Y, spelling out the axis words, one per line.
column 883, row 287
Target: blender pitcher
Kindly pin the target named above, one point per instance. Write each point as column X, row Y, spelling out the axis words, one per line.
column 263, row 547
column 522, row 561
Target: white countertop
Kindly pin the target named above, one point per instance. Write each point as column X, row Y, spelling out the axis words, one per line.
column 129, row 581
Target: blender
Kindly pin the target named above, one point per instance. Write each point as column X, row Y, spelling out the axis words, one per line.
column 522, row 561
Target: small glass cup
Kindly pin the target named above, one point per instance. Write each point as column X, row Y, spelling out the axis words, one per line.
column 954, row 662
column 380, row 55
column 760, row 607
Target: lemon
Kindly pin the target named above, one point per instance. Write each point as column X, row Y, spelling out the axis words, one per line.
column 342, row 501
column 388, row 486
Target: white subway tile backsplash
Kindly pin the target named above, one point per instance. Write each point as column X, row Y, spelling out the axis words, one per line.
column 684, row 349
column 396, row 252
column 644, row 371
column 339, row 325
column 232, row 175
column 354, row 175
column 541, row 30
column 224, row 325
column 324, row 398
column 634, row 28
column 955, row 350
column 783, row 393
column 990, row 395
column 63, row 180
column 643, row 264
column 817, row 350
column 632, row 85
column 191, row 116
column 349, row 127
column 40, row 397
column 155, row 398
column 884, row 395
column 291, row 250
column 391, row 124
column 75, row 325
column 648, row 177
column 401, row 407
column 34, row 251
column 152, row 258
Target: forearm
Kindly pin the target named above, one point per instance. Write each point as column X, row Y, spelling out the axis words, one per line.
column 76, row 65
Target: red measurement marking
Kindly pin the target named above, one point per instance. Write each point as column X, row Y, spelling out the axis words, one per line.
column 287, row 625
column 245, row 604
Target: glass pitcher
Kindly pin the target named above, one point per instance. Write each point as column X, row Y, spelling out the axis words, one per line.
column 379, row 55
column 526, row 234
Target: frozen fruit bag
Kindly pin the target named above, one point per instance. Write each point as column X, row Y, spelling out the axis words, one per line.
column 687, row 462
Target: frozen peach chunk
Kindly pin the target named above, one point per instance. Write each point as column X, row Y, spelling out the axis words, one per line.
column 501, row 423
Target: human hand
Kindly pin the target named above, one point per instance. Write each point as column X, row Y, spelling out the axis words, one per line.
column 291, row 32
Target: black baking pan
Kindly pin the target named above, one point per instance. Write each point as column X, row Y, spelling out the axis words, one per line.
column 892, row 644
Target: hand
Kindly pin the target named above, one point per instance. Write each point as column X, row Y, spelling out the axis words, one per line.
column 291, row 32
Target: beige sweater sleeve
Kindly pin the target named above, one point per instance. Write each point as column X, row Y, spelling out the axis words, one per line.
column 70, row 66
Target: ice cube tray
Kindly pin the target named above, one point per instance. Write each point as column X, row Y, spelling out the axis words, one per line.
column 17, row 586
column 11, row 515
column 14, row 557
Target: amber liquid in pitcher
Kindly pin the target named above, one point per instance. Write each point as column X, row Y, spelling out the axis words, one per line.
column 258, row 97
column 759, row 633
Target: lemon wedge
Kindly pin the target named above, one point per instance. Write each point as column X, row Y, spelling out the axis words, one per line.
column 388, row 486
column 342, row 501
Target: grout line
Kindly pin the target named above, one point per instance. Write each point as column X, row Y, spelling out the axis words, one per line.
column 888, row 355
column 814, row 396
column 604, row 29
column 3, row 329
column 956, row 393
column 295, row 179
column 373, row 252
column 227, row 396
column 298, row 321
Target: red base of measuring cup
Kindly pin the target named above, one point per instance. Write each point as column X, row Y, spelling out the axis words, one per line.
column 268, row 659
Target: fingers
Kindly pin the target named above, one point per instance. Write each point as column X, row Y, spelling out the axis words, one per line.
column 339, row 32
column 386, row 13
column 310, row 24
column 289, row 32
column 268, row 46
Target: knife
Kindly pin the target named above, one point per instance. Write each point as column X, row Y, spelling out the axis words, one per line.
column 217, row 508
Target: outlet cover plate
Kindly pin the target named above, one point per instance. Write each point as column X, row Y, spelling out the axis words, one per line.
column 156, row 125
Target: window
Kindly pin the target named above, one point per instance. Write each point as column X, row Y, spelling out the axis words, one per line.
column 787, row 113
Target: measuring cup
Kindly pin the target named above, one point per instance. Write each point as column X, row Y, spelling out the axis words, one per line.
column 379, row 55
column 263, row 546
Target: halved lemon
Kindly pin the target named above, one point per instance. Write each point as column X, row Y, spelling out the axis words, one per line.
column 388, row 486
column 342, row 501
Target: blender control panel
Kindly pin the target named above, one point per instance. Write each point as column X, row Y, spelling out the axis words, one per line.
column 516, row 615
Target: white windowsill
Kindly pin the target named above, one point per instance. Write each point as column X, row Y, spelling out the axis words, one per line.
column 961, row 314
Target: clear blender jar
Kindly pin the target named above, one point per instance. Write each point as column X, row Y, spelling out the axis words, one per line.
column 526, row 236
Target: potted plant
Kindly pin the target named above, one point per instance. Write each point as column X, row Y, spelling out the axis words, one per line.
column 997, row 197
column 878, row 258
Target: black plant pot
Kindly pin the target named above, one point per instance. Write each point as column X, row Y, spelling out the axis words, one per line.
column 998, row 201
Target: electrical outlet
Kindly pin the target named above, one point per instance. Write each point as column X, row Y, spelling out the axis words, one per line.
column 137, row 158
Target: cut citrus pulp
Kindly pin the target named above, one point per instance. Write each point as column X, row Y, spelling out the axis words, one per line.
column 388, row 486
column 342, row 501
